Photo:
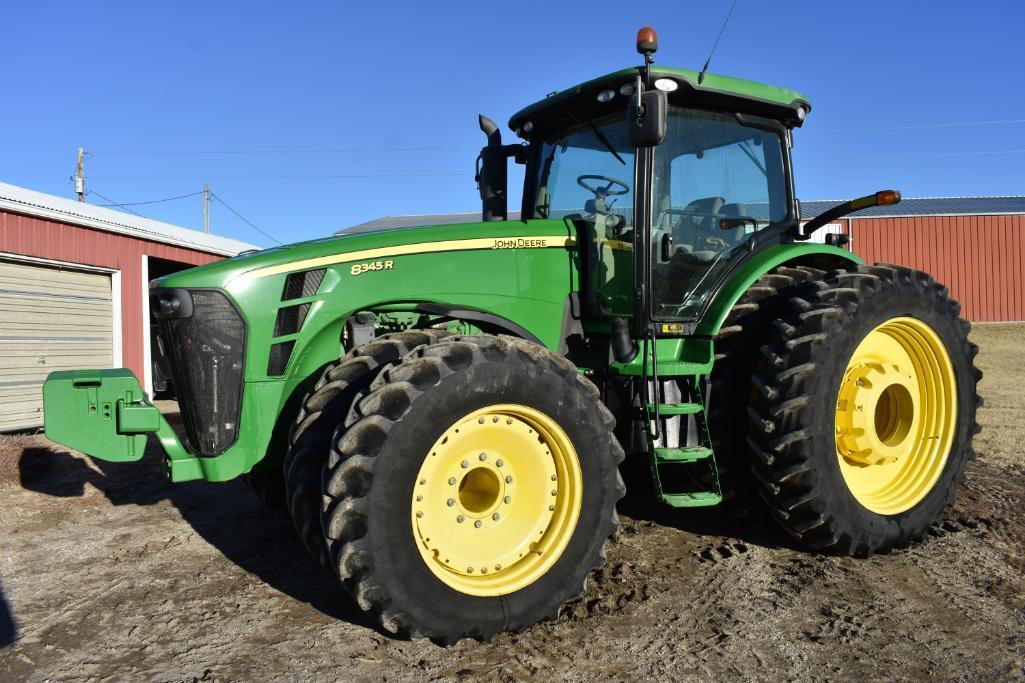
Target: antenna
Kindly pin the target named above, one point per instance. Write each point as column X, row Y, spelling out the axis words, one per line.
column 701, row 76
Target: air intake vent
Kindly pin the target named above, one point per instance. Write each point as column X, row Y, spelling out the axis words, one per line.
column 298, row 285
column 290, row 319
column 279, row 354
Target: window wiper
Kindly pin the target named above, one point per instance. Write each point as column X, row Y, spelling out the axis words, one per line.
column 754, row 160
column 601, row 138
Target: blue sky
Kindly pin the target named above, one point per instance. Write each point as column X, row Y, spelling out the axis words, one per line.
column 167, row 95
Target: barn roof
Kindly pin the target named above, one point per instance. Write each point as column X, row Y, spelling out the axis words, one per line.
column 927, row 206
column 21, row 200
column 910, row 206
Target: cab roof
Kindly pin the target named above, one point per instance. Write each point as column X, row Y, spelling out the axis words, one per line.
column 717, row 92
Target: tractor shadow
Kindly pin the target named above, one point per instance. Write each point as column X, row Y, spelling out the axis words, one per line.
column 8, row 629
column 229, row 516
column 750, row 524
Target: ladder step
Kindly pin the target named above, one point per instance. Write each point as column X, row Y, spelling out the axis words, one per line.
column 682, row 455
column 692, row 500
column 676, row 408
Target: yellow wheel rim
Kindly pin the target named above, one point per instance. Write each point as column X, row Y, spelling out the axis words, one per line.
column 496, row 500
column 895, row 416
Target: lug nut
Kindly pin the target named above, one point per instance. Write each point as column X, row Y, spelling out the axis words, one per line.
column 551, row 508
column 480, row 420
column 483, row 570
column 419, row 513
column 495, row 516
column 508, row 480
column 451, row 481
column 498, row 567
column 478, row 524
column 483, row 457
column 465, row 464
column 508, row 421
column 469, row 570
column 499, row 462
column 555, row 477
column 451, row 502
column 507, row 500
column 554, row 492
column 460, row 519
column 419, row 498
column 422, row 482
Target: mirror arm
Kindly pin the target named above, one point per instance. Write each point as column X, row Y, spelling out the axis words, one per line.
column 882, row 198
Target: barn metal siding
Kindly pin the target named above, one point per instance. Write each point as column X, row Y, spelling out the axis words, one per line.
column 46, row 239
column 980, row 258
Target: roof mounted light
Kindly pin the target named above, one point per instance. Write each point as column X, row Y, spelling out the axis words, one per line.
column 666, row 84
column 801, row 113
column 647, row 43
column 606, row 95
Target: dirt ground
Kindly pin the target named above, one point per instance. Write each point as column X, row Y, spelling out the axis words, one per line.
column 109, row 572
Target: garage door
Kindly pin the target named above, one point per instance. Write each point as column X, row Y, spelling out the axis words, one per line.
column 50, row 319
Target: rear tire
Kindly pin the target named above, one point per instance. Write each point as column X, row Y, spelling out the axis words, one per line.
column 376, row 490
column 736, row 361
column 865, row 411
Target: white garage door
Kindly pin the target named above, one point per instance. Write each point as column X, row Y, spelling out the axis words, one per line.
column 50, row 319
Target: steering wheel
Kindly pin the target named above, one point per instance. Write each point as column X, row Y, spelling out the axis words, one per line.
column 603, row 191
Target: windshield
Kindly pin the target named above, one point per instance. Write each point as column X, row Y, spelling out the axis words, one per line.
column 716, row 183
column 586, row 172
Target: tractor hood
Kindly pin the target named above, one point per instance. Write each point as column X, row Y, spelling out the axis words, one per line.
column 343, row 248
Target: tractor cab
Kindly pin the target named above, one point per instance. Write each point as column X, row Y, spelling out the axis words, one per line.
column 670, row 176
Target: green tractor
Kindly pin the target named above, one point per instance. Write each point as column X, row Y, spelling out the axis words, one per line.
column 443, row 410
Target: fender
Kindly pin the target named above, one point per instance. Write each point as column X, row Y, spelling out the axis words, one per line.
column 487, row 322
column 817, row 255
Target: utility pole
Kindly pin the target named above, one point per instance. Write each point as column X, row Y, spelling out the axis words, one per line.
column 80, row 175
column 206, row 208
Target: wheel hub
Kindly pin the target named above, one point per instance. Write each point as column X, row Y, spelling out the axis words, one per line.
column 496, row 500
column 876, row 411
column 895, row 417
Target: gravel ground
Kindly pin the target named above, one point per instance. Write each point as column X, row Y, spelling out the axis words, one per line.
column 109, row 572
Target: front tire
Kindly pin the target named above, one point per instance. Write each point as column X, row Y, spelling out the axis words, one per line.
column 471, row 489
column 865, row 410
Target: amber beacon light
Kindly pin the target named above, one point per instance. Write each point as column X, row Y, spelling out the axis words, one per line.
column 647, row 42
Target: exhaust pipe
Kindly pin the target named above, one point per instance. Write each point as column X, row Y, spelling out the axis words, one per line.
column 492, row 173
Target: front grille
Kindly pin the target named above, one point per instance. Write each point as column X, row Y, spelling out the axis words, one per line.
column 278, row 360
column 206, row 354
column 290, row 319
column 299, row 285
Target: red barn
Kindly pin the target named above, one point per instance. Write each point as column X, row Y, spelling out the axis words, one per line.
column 73, row 290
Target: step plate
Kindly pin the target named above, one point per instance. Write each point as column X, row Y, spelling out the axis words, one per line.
column 682, row 455
column 665, row 409
column 692, row 500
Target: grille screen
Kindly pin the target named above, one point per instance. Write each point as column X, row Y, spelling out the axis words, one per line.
column 279, row 354
column 298, row 285
column 205, row 351
column 290, row 319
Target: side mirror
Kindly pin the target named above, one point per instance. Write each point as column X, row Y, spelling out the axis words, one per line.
column 647, row 118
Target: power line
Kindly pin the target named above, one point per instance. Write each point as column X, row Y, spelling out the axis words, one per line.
column 113, row 203
column 214, row 196
column 155, row 201
column 951, row 154
column 287, row 177
column 923, row 125
column 326, row 150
